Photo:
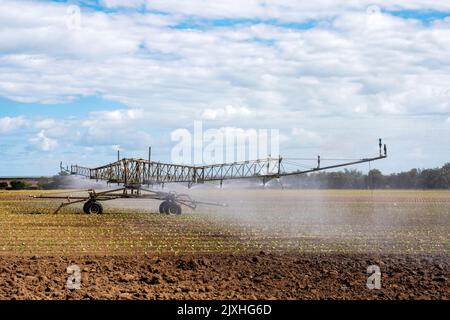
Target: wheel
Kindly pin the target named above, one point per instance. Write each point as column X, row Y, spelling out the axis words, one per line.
column 167, row 207
column 163, row 207
column 93, row 208
column 85, row 206
column 174, row 208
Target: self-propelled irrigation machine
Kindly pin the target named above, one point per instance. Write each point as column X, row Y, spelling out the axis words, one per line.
column 133, row 174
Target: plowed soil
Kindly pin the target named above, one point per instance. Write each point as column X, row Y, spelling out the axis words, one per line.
column 227, row 276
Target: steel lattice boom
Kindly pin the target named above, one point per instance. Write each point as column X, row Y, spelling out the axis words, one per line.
column 138, row 171
column 146, row 172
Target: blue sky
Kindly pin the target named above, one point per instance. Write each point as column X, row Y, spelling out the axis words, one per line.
column 80, row 108
column 331, row 76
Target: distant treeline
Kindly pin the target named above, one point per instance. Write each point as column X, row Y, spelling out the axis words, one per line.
column 15, row 185
column 438, row 178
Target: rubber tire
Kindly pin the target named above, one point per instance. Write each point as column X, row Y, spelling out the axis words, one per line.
column 94, row 208
column 166, row 208
column 86, row 205
column 163, row 207
column 174, row 208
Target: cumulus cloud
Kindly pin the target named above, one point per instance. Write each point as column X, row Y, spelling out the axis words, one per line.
column 305, row 137
column 358, row 63
column 284, row 10
column 227, row 113
column 114, row 118
column 125, row 128
column 8, row 124
column 124, row 3
column 43, row 142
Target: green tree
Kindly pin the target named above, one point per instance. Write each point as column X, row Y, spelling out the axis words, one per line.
column 18, row 185
column 430, row 178
column 446, row 175
column 375, row 179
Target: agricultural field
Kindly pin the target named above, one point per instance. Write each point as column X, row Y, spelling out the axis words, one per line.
column 264, row 244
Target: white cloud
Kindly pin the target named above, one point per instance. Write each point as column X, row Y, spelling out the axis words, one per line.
column 45, row 123
column 299, row 132
column 359, row 62
column 8, row 124
column 284, row 10
column 43, row 142
column 114, row 118
column 55, row 128
column 227, row 113
column 122, row 127
column 123, row 3
column 303, row 137
column 417, row 153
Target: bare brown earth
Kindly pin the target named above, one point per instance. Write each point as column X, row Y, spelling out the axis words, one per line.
column 227, row 276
